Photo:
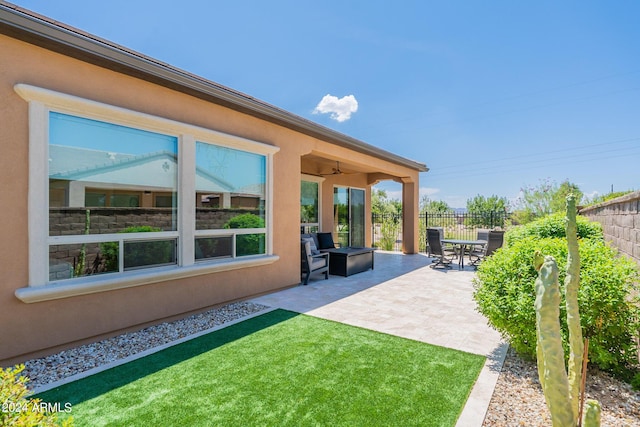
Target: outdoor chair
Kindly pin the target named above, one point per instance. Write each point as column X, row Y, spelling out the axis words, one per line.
column 483, row 234
column 449, row 250
column 312, row 260
column 495, row 240
column 436, row 249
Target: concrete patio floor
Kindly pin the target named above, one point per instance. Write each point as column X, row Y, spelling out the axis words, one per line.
column 403, row 296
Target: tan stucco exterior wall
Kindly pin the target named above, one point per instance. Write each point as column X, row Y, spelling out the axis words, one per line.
column 38, row 328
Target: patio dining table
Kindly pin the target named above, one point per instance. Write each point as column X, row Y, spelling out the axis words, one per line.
column 462, row 244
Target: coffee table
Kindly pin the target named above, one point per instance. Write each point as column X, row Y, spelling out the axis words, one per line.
column 348, row 261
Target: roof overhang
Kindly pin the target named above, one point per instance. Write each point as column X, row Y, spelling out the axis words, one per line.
column 39, row 30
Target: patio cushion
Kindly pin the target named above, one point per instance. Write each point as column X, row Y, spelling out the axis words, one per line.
column 325, row 241
column 318, row 262
column 312, row 244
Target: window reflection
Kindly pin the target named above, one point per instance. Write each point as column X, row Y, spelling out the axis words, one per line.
column 103, row 166
column 230, row 194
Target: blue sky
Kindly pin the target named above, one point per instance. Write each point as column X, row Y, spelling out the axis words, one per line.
column 492, row 96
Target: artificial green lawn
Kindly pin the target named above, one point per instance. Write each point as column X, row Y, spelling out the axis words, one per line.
column 280, row 368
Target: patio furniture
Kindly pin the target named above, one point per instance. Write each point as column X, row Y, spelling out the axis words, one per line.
column 436, row 249
column 495, row 240
column 448, row 249
column 325, row 241
column 348, row 261
column 462, row 245
column 313, row 263
column 343, row 261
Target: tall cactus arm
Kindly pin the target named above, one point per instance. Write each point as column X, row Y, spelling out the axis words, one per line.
column 572, row 284
column 551, row 369
column 592, row 414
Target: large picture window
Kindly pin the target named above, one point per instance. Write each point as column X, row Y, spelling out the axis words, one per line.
column 102, row 180
column 111, row 198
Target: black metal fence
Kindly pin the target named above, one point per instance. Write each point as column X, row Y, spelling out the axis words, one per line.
column 387, row 228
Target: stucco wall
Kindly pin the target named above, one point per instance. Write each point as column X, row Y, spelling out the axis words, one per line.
column 29, row 328
column 39, row 328
column 620, row 219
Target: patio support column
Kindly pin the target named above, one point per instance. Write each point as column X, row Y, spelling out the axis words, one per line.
column 410, row 227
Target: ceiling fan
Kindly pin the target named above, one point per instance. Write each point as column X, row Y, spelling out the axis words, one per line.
column 336, row 170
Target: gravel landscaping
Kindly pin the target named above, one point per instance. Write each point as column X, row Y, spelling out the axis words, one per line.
column 80, row 359
column 517, row 399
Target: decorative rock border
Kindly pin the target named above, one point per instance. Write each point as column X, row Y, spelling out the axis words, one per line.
column 56, row 367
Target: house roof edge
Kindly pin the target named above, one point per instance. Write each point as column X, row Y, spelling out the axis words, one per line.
column 33, row 28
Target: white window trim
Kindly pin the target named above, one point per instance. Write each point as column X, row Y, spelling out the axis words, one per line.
column 41, row 102
column 319, row 180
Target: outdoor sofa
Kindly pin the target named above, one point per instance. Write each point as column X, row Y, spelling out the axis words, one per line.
column 343, row 261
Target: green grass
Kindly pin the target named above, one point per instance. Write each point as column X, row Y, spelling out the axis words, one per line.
column 280, row 368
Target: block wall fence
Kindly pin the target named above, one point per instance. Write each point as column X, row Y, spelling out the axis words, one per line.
column 620, row 219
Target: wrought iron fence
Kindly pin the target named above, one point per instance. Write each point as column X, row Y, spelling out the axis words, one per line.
column 387, row 228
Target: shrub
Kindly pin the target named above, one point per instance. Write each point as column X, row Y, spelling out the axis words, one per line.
column 504, row 292
column 247, row 244
column 18, row 409
column 554, row 226
column 389, row 230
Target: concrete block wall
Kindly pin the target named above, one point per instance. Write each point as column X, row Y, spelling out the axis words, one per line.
column 620, row 219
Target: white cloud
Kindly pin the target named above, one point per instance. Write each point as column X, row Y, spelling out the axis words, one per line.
column 340, row 109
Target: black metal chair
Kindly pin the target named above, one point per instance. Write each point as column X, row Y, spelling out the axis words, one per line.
column 449, row 250
column 495, row 240
column 436, row 249
column 313, row 263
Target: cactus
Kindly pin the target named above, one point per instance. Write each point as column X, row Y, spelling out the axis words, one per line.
column 592, row 414
column 553, row 376
column 572, row 283
column 561, row 389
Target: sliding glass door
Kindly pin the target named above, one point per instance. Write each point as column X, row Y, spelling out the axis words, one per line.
column 349, row 216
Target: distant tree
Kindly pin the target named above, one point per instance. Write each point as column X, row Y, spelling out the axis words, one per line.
column 381, row 204
column 378, row 198
column 559, row 197
column 433, row 206
column 487, row 204
column 483, row 210
column 548, row 197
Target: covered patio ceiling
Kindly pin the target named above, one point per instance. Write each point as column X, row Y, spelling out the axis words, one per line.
column 325, row 166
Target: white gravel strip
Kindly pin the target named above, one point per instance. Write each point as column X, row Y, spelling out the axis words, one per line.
column 57, row 367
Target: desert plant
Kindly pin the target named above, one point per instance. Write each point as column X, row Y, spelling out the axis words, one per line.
column 20, row 410
column 609, row 312
column 561, row 389
column 557, row 385
column 389, row 229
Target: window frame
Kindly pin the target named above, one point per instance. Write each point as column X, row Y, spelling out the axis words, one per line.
column 318, row 180
column 40, row 102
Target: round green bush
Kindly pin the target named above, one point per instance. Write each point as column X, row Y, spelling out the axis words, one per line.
column 554, row 226
column 610, row 316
